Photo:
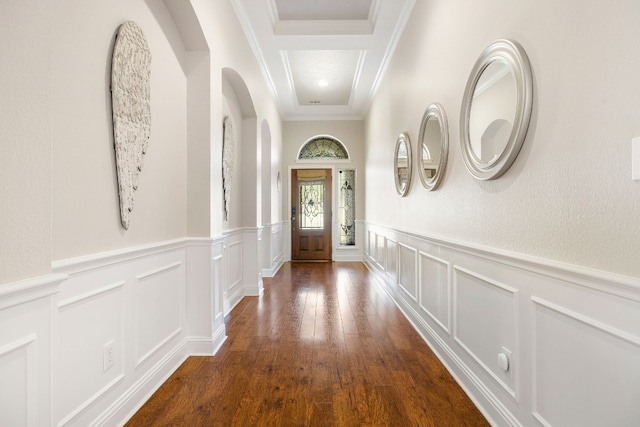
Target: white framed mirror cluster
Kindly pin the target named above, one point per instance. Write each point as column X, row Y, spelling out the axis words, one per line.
column 494, row 119
column 433, row 150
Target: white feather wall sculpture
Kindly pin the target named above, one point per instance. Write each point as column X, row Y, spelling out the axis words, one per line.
column 228, row 150
column 131, row 105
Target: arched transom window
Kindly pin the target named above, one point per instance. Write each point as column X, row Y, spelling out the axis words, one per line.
column 323, row 147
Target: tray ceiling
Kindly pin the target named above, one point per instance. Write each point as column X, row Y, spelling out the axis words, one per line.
column 323, row 59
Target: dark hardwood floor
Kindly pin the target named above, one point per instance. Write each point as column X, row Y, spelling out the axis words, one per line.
column 321, row 347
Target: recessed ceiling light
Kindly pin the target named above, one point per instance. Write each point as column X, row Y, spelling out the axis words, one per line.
column 323, row 83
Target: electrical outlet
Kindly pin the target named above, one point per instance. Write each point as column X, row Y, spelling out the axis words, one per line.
column 108, row 356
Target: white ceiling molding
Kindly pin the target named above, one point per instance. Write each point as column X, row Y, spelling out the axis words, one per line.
column 277, row 42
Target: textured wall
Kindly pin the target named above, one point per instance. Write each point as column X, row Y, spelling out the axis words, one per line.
column 25, row 139
column 569, row 196
column 85, row 193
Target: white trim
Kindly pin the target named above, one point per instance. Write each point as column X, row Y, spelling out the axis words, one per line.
column 29, row 344
column 24, row 291
column 415, row 271
column 611, row 283
column 516, row 315
column 80, row 409
column 74, row 300
column 448, row 266
column 85, row 263
column 135, row 396
column 157, row 271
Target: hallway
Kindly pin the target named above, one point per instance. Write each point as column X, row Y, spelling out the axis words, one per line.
column 322, row 346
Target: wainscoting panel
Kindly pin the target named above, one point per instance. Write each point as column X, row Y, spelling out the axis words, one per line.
column 572, row 353
column 204, row 282
column 122, row 327
column 158, row 323
column 533, row 342
column 18, row 370
column 86, row 323
column 434, row 289
column 233, row 255
column 407, row 275
column 485, row 319
column 381, row 253
column 370, row 247
column 277, row 254
column 251, row 261
column 392, row 260
column 26, row 350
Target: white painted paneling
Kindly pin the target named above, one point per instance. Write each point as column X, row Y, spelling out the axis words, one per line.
column 26, row 339
column 18, row 371
column 158, row 302
column 434, row 289
column 136, row 299
column 277, row 254
column 572, row 334
column 485, row 314
column 251, row 261
column 392, row 260
column 407, row 274
column 234, row 254
column 86, row 322
column 586, row 373
column 380, row 251
column 234, row 266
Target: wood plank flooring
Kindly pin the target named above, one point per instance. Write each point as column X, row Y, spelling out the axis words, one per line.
column 321, row 347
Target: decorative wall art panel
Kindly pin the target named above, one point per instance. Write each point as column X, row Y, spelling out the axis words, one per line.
column 228, row 150
column 130, row 99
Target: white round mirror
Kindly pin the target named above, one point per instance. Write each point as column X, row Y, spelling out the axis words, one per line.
column 402, row 164
column 496, row 109
column 433, row 146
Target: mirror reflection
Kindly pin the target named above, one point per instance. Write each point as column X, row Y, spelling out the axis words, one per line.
column 496, row 109
column 402, row 164
column 493, row 109
column 434, row 146
column 431, row 156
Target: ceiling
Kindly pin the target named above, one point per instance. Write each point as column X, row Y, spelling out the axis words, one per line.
column 323, row 59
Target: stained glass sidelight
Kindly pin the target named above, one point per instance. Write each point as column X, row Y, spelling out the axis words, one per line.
column 347, row 207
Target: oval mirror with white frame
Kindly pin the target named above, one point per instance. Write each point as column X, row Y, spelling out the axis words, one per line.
column 433, row 146
column 496, row 109
column 402, row 164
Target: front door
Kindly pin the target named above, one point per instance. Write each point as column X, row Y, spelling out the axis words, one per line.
column 311, row 214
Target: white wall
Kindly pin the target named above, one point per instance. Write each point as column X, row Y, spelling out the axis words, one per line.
column 569, row 195
column 85, row 217
column 25, row 139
